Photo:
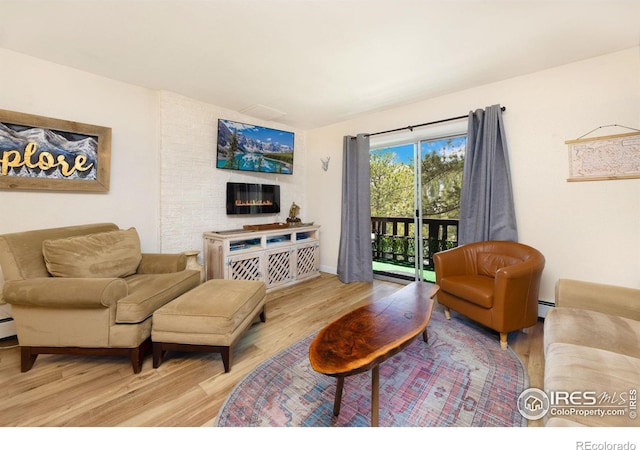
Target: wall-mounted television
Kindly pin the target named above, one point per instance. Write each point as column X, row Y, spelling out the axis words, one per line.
column 253, row 148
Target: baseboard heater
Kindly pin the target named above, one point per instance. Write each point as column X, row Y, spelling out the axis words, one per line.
column 7, row 327
column 544, row 307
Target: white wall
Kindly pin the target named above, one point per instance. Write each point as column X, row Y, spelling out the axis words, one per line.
column 163, row 176
column 38, row 87
column 586, row 230
column 193, row 190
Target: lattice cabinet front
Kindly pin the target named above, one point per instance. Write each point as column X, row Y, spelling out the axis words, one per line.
column 278, row 267
column 307, row 260
column 245, row 268
column 279, row 257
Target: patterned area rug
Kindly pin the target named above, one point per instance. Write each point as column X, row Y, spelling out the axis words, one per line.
column 460, row 378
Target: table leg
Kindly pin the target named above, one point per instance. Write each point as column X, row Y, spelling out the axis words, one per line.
column 425, row 336
column 338, row 400
column 375, row 387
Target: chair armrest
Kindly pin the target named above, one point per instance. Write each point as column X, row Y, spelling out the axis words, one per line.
column 524, row 269
column 162, row 263
column 61, row 293
column 604, row 298
column 517, row 288
column 450, row 262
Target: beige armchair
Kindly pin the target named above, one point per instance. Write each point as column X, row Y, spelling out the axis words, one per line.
column 87, row 289
column 495, row 283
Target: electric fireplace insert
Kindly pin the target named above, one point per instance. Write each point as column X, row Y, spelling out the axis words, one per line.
column 248, row 198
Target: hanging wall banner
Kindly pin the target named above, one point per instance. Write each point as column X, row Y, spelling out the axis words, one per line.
column 604, row 158
column 43, row 153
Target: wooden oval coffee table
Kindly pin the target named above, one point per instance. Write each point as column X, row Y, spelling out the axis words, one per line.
column 362, row 339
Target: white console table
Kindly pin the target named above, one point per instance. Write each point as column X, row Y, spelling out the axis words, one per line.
column 280, row 257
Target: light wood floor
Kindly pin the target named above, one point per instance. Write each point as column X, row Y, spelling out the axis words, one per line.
column 188, row 389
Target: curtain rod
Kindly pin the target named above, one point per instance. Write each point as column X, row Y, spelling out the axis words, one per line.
column 411, row 127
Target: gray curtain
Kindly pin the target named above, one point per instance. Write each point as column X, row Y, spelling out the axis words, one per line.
column 486, row 202
column 354, row 254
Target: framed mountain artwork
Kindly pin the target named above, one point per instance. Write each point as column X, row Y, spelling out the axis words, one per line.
column 39, row 152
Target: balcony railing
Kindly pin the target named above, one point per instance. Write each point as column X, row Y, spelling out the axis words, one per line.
column 393, row 239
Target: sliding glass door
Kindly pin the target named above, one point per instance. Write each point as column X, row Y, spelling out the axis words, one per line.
column 393, row 210
column 414, row 206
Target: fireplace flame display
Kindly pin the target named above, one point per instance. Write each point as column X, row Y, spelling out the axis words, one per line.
column 254, row 202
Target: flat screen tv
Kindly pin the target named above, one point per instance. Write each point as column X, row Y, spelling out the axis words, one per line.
column 253, row 148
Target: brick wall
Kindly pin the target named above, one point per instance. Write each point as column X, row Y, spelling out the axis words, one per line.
column 193, row 190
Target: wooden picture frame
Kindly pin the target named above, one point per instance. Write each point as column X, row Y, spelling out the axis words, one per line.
column 614, row 157
column 42, row 153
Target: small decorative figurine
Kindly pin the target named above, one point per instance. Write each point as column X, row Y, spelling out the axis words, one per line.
column 293, row 213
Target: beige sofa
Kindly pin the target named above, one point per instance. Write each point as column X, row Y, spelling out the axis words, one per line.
column 592, row 350
column 87, row 289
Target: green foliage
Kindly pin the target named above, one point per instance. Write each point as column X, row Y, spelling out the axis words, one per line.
column 391, row 186
column 231, row 153
column 284, row 157
column 441, row 185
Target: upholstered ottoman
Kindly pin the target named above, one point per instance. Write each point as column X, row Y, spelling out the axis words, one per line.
column 209, row 318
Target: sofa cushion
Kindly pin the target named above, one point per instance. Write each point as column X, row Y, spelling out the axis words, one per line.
column 472, row 288
column 110, row 254
column 592, row 329
column 148, row 292
column 611, row 376
column 490, row 263
column 21, row 253
column 216, row 306
column 215, row 313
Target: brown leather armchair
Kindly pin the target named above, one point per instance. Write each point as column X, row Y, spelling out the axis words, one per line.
column 495, row 283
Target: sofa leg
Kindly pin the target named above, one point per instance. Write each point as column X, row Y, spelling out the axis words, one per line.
column 503, row 341
column 27, row 358
column 158, row 354
column 447, row 313
column 227, row 355
column 263, row 318
column 136, row 355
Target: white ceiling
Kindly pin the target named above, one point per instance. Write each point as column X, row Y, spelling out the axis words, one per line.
column 315, row 62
